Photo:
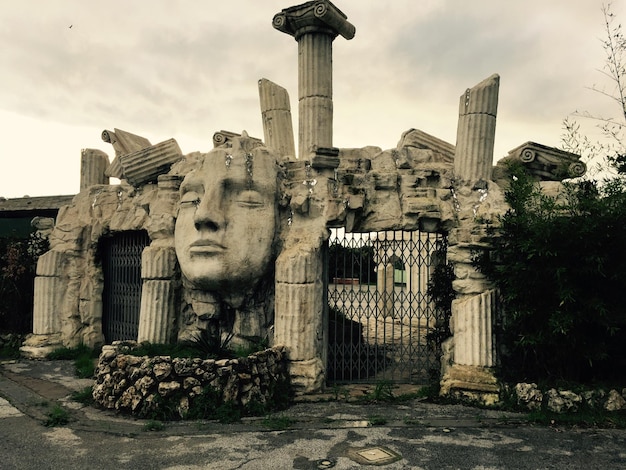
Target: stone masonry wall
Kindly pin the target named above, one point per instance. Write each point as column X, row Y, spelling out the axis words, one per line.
column 139, row 385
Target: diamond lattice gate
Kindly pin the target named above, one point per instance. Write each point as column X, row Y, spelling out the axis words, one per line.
column 121, row 297
column 379, row 310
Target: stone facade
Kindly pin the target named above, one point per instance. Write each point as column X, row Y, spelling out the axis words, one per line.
column 424, row 183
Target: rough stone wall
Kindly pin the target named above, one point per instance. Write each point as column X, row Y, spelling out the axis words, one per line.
column 94, row 213
column 138, row 385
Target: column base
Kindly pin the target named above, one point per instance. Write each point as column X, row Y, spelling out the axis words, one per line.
column 473, row 383
column 40, row 346
column 307, row 376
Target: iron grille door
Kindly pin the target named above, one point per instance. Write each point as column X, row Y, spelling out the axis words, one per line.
column 379, row 312
column 121, row 297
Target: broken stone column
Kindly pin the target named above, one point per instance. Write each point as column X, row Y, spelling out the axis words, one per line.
column 314, row 25
column 46, row 335
column 93, row 165
column 45, row 318
column 147, row 164
column 299, row 320
column 469, row 355
column 476, row 131
column 123, row 143
column 473, row 329
column 276, row 114
column 158, row 294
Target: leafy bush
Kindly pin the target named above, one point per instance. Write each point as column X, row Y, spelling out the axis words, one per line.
column 18, row 260
column 560, row 266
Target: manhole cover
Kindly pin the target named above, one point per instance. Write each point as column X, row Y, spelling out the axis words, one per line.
column 373, row 455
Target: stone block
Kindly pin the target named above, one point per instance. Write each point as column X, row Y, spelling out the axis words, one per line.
column 158, row 262
column 307, row 376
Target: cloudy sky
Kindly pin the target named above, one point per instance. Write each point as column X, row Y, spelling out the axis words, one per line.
column 187, row 68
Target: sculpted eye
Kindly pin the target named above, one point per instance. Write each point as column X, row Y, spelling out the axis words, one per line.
column 250, row 199
column 190, row 199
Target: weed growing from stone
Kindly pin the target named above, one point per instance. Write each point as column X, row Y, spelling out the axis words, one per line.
column 83, row 396
column 376, row 420
column 383, row 392
column 153, row 425
column 83, row 357
column 277, row 422
column 58, row 416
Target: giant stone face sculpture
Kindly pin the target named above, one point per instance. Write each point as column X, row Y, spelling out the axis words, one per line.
column 226, row 234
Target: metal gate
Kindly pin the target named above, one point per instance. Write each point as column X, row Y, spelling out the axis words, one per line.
column 121, row 297
column 379, row 310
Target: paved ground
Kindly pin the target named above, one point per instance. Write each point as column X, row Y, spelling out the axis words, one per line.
column 324, row 434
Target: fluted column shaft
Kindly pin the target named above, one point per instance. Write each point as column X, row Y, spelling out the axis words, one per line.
column 315, row 92
column 473, row 329
column 93, row 164
column 276, row 114
column 46, row 319
column 476, row 131
column 158, row 293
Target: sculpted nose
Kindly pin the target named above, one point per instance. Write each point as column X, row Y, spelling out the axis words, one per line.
column 209, row 214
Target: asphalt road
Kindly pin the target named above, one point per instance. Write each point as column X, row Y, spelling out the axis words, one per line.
column 334, row 434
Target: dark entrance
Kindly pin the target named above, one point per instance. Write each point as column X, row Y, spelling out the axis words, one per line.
column 121, row 297
column 380, row 314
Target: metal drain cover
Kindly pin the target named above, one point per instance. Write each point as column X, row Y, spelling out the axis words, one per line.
column 373, row 455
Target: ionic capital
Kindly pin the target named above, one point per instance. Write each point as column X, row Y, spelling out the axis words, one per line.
column 319, row 16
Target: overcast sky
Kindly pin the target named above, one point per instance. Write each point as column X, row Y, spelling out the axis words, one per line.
column 187, row 68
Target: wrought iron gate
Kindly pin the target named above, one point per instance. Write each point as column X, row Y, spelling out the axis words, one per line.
column 379, row 310
column 121, row 297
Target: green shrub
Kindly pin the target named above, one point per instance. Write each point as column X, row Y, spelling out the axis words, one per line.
column 83, row 357
column 58, row 416
column 560, row 266
column 84, row 396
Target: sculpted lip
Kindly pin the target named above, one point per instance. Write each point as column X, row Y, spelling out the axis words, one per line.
column 206, row 246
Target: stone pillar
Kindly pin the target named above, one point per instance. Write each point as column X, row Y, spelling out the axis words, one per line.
column 45, row 315
column 476, row 131
column 299, row 315
column 93, row 164
column 158, row 294
column 46, row 335
column 314, row 25
column 469, row 355
column 276, row 114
